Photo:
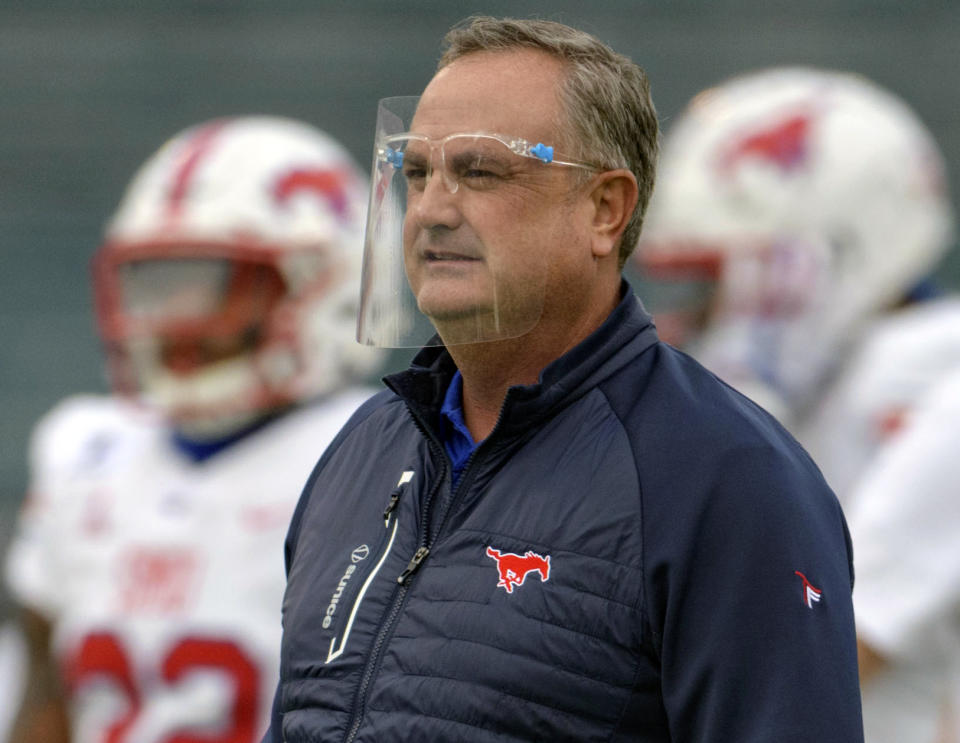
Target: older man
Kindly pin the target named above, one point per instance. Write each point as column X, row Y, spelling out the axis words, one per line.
column 552, row 527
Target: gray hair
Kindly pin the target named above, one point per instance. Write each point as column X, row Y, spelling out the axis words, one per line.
column 606, row 97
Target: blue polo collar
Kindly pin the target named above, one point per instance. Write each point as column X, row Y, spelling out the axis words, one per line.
column 454, row 433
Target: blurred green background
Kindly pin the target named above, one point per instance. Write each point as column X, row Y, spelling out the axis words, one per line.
column 89, row 89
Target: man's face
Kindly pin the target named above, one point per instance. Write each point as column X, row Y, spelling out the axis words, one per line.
column 480, row 259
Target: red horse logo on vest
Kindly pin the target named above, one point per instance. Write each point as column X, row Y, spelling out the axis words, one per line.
column 514, row 569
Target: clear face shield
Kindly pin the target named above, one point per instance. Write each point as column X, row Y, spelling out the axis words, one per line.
column 438, row 255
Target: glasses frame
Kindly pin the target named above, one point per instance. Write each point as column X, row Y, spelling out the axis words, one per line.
column 517, row 145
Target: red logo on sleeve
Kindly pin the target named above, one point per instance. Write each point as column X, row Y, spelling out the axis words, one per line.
column 811, row 594
column 514, row 569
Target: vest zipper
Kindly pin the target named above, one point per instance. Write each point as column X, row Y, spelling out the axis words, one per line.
column 423, row 550
column 400, row 592
column 419, row 556
column 335, row 650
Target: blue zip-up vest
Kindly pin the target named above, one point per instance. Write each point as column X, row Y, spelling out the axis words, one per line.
column 636, row 552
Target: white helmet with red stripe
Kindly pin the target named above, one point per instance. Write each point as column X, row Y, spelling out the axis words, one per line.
column 228, row 282
column 796, row 203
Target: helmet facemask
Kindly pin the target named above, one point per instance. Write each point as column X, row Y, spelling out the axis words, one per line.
column 209, row 339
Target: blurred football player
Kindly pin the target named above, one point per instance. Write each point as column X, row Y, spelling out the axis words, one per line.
column 149, row 555
column 797, row 218
column 792, row 206
column 905, row 521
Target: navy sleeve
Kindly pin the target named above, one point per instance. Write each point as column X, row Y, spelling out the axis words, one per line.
column 749, row 599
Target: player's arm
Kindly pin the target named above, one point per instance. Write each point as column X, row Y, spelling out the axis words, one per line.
column 42, row 717
column 904, row 518
column 871, row 661
column 35, row 569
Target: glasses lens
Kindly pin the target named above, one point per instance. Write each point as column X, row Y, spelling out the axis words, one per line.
column 478, row 162
column 413, row 158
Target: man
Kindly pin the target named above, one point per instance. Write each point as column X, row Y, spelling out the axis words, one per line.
column 147, row 559
column 552, row 527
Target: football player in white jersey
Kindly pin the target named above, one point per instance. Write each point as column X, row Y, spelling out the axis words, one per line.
column 12, row 662
column 149, row 556
column 905, row 522
column 901, row 356
column 797, row 215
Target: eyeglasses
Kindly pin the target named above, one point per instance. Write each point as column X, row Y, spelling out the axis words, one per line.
column 479, row 160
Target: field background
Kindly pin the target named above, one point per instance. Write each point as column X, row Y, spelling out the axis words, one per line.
column 89, row 89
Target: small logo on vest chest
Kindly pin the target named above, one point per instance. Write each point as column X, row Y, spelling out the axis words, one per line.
column 513, row 569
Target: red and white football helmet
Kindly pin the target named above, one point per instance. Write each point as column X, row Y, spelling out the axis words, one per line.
column 803, row 202
column 228, row 283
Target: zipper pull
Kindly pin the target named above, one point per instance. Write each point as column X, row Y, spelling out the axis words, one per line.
column 406, row 477
column 391, row 506
column 418, row 557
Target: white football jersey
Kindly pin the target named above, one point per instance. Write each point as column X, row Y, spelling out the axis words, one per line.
column 905, row 523
column 13, row 661
column 163, row 577
column 898, row 362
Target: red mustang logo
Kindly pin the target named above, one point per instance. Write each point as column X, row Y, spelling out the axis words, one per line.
column 514, row 569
